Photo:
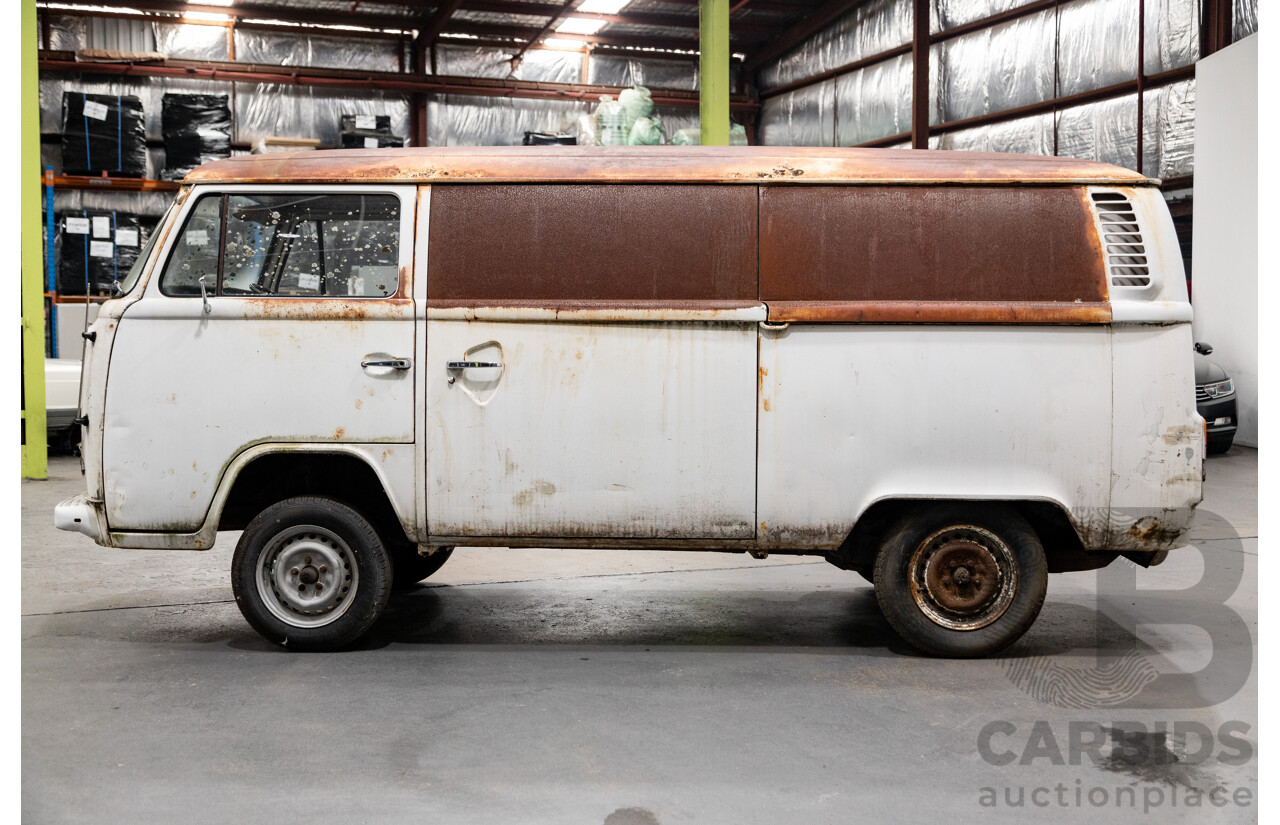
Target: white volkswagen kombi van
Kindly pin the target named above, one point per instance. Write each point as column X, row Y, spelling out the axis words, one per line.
column 953, row 373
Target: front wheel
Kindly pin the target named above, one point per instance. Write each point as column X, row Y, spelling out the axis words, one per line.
column 310, row 573
column 961, row 580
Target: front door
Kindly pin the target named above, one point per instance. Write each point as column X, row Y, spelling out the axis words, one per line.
column 276, row 314
column 591, row 362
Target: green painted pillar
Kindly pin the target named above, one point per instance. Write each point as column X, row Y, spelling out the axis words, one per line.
column 713, row 71
column 35, row 451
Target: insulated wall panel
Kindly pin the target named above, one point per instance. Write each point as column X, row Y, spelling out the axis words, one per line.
column 805, row 117
column 874, row 102
column 870, row 28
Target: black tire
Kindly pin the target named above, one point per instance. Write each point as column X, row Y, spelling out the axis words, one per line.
column 331, row 553
column 411, row 568
column 1005, row 577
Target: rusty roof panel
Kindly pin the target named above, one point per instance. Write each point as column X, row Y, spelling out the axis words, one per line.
column 659, row 164
column 983, row 244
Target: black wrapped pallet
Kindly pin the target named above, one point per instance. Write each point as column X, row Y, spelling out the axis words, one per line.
column 96, row 248
column 380, row 124
column 366, row 132
column 547, row 139
column 365, row 139
column 197, row 129
column 103, row 133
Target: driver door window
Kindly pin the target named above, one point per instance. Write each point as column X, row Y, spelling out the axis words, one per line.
column 301, row 244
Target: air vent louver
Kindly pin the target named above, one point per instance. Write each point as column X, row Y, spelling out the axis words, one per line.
column 1122, row 240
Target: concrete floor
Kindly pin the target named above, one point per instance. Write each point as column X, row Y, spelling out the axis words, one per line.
column 630, row 689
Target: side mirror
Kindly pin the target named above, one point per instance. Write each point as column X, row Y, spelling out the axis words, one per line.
column 1203, row 348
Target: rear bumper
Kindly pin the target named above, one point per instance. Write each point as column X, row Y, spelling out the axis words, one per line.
column 80, row 515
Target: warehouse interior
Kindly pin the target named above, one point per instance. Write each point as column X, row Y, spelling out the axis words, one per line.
column 634, row 688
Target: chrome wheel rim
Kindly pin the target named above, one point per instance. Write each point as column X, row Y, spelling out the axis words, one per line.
column 307, row 576
column 963, row 577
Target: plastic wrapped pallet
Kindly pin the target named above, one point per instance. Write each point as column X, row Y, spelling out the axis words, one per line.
column 612, row 117
column 686, row 137
column 103, row 133
column 693, row 136
column 95, row 249
column 646, row 131
column 197, row 130
column 638, row 103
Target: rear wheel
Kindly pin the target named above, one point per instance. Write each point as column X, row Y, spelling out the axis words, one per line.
column 961, row 580
column 310, row 573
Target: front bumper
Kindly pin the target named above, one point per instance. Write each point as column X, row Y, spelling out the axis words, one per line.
column 1219, row 408
column 80, row 515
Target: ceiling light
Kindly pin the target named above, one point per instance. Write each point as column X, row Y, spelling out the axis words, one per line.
column 576, row 25
column 603, row 6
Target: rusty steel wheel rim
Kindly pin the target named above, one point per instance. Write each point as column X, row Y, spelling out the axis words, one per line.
column 963, row 577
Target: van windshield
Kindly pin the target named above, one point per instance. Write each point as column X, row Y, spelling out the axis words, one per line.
column 125, row 285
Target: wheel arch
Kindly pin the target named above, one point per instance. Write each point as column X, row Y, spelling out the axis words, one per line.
column 265, row 474
column 1063, row 545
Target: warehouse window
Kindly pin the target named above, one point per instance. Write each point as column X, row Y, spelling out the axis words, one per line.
column 296, row 244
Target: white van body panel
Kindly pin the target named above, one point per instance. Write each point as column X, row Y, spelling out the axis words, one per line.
column 609, row 430
column 853, row 414
column 1158, row 450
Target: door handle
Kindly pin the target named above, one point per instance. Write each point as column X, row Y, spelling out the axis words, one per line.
column 470, row 365
column 393, row 363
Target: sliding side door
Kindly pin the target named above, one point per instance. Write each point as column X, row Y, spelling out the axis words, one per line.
column 591, row 361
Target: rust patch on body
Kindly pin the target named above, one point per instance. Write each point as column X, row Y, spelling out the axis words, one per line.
column 355, row 310
column 524, row 498
column 766, row 405
column 1150, row 532
column 339, row 433
column 1183, row 434
column 939, row 312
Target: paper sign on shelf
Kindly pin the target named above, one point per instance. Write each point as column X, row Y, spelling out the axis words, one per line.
column 197, row 237
column 371, row 143
column 95, row 110
column 306, row 281
column 366, row 122
column 126, row 237
column 101, row 227
column 101, row 249
column 77, row 226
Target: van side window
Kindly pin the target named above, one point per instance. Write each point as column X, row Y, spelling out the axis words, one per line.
column 312, row 245
column 195, row 253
